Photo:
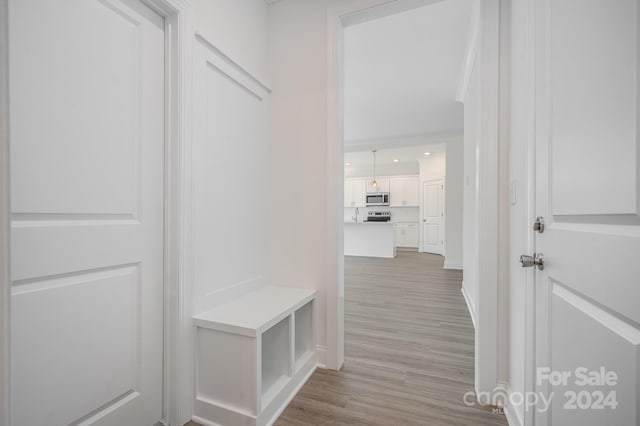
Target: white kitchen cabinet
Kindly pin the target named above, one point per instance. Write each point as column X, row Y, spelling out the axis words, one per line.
column 412, row 191
column 355, row 192
column 407, row 235
column 404, row 191
column 383, row 184
column 348, row 193
column 412, row 238
column 396, row 193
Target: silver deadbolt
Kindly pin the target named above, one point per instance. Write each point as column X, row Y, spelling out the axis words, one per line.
column 538, row 226
column 536, row 260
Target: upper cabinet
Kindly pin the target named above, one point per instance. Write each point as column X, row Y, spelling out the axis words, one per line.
column 355, row 192
column 412, row 191
column 404, row 191
column 383, row 184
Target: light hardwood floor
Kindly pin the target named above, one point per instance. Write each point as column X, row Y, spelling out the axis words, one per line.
column 408, row 351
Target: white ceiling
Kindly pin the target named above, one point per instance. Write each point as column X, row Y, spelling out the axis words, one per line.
column 407, row 154
column 401, row 73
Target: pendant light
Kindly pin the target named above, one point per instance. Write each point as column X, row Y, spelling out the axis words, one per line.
column 374, row 184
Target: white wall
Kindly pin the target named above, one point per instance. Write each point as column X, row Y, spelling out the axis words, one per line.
column 448, row 165
column 434, row 166
column 229, row 150
column 296, row 207
column 401, row 72
column 470, row 220
column 453, row 204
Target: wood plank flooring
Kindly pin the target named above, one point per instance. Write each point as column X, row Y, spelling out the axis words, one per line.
column 408, row 351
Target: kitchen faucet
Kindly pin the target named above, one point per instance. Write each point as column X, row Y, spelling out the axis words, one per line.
column 355, row 218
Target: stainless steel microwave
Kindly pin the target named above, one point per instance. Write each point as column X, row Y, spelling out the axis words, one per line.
column 377, row 199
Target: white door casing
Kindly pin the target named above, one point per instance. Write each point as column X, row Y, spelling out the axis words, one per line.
column 588, row 191
column 5, row 279
column 87, row 146
column 433, row 216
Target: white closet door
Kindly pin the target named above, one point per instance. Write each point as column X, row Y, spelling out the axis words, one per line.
column 87, row 154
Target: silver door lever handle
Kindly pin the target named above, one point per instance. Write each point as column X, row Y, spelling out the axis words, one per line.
column 536, row 260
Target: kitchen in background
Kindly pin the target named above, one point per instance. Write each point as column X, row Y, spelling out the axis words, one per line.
column 373, row 201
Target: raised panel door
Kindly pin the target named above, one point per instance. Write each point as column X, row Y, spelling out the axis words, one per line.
column 87, row 159
column 587, row 180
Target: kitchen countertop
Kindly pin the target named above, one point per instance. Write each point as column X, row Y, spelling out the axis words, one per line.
column 367, row 223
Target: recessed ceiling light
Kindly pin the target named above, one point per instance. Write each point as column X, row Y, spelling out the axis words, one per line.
column 427, row 153
column 347, row 164
column 395, row 160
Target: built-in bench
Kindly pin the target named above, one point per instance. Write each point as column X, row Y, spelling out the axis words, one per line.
column 253, row 353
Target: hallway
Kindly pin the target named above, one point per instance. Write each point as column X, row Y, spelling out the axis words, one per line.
column 408, row 351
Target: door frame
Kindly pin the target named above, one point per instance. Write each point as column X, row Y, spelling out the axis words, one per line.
column 422, row 208
column 5, row 283
column 176, row 392
column 491, row 333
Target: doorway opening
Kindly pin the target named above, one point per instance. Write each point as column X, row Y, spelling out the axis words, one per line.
column 485, row 180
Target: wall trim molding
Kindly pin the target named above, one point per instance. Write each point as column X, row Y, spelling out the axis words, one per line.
column 5, row 228
column 491, row 336
column 470, row 306
column 471, row 51
column 321, row 356
column 388, row 9
column 233, row 70
column 177, row 383
column 452, row 265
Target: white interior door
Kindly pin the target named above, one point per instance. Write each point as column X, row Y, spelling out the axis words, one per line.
column 87, row 153
column 433, row 216
column 587, row 190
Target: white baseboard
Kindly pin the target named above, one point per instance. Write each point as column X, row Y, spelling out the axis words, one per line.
column 321, row 356
column 209, row 412
column 470, row 307
column 290, row 397
column 451, row 265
